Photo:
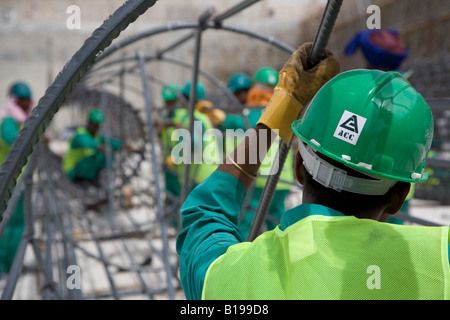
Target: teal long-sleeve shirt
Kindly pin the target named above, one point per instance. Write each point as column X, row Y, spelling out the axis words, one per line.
column 9, row 130
column 209, row 217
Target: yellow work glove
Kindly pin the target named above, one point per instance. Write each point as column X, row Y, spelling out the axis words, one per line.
column 295, row 89
column 217, row 116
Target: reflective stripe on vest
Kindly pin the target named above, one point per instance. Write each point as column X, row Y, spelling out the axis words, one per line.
column 75, row 155
column 328, row 258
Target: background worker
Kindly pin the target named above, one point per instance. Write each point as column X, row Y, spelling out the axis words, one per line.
column 173, row 113
column 383, row 49
column 350, row 183
column 259, row 91
column 86, row 155
column 240, row 83
column 207, row 120
column 17, row 110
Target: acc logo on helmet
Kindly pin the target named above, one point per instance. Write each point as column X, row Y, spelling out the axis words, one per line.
column 349, row 127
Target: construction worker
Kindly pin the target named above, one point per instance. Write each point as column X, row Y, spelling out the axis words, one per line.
column 205, row 119
column 383, row 49
column 172, row 121
column 12, row 117
column 240, row 83
column 86, row 155
column 364, row 138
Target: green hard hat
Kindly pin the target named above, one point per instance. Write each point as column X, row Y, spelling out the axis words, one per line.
column 239, row 81
column 371, row 121
column 21, row 90
column 267, row 75
column 169, row 92
column 200, row 90
column 96, row 116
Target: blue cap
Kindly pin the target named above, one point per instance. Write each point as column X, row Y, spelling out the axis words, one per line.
column 374, row 51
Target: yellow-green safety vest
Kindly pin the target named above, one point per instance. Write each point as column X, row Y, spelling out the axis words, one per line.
column 166, row 134
column 331, row 258
column 75, row 155
column 210, row 160
column 287, row 172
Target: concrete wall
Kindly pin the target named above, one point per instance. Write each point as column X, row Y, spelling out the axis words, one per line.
column 35, row 42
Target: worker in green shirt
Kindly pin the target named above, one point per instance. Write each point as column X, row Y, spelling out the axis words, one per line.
column 86, row 155
column 173, row 115
column 87, row 150
column 204, row 123
column 239, row 84
column 12, row 117
column 364, row 139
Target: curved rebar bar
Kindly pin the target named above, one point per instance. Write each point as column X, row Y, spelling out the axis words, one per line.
column 155, row 167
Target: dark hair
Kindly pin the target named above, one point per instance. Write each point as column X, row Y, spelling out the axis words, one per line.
column 345, row 202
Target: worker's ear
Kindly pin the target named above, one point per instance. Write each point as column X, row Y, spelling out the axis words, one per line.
column 298, row 168
column 397, row 196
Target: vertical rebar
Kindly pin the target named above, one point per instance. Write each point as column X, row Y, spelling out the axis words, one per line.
column 108, row 153
column 193, row 96
column 156, row 171
column 317, row 51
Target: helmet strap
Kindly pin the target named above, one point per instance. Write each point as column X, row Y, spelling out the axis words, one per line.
column 332, row 177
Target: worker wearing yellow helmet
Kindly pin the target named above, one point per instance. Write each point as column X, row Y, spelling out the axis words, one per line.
column 364, row 139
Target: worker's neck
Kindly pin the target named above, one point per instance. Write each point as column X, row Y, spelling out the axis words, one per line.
column 375, row 214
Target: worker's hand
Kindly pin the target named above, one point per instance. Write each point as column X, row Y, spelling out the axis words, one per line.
column 217, row 116
column 297, row 85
